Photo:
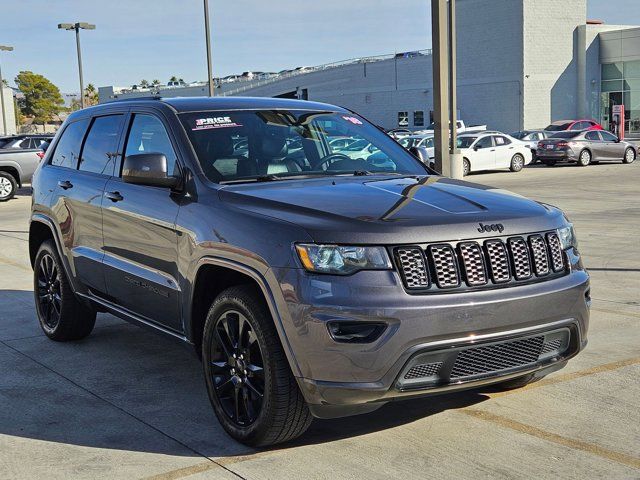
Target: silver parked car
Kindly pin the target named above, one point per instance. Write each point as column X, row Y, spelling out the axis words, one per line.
column 585, row 147
column 531, row 138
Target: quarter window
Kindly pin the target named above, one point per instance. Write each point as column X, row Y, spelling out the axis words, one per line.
column 67, row 151
column 148, row 135
column 608, row 136
column 99, row 153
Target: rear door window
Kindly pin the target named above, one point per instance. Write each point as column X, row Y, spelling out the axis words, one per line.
column 592, row 135
column 148, row 135
column 99, row 153
column 67, row 151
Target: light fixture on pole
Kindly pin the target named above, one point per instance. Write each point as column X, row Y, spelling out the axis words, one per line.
column 77, row 27
column 207, row 36
column 3, row 48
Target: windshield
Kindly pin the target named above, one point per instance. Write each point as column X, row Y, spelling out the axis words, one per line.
column 465, row 142
column 268, row 144
column 557, row 127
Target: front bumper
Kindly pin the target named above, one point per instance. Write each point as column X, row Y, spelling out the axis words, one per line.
column 340, row 379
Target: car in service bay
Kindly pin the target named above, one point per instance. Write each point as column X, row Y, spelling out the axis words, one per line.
column 585, row 147
column 311, row 284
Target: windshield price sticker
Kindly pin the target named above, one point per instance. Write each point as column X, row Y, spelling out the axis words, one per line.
column 353, row 120
column 214, row 122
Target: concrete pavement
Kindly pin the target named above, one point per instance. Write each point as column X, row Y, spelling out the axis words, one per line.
column 126, row 403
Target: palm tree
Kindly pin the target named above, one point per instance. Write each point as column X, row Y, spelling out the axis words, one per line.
column 173, row 79
column 144, row 83
column 155, row 83
column 90, row 94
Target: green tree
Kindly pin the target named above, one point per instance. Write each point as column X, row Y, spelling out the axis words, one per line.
column 173, row 79
column 144, row 83
column 155, row 83
column 42, row 98
column 90, row 95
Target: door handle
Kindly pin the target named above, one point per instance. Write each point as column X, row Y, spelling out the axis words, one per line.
column 114, row 196
column 65, row 184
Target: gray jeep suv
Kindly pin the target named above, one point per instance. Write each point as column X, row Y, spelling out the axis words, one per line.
column 311, row 283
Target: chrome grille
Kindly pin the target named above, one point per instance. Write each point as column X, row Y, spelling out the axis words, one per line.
column 496, row 261
column 425, row 370
column 493, row 358
column 520, row 256
column 540, row 258
column 473, row 263
column 413, row 267
column 555, row 249
column 445, row 266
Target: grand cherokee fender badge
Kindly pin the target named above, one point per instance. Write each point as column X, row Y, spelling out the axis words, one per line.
column 494, row 227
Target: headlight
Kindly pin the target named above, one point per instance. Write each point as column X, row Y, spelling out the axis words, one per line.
column 567, row 237
column 342, row 260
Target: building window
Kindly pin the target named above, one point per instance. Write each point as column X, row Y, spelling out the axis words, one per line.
column 418, row 118
column 621, row 85
column 403, row 119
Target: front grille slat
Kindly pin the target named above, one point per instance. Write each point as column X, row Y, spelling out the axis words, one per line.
column 492, row 262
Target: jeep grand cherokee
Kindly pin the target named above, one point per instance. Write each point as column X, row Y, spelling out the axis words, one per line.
column 311, row 283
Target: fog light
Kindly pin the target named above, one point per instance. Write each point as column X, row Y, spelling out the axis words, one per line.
column 356, row 332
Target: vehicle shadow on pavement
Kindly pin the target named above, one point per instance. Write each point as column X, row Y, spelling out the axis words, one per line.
column 125, row 388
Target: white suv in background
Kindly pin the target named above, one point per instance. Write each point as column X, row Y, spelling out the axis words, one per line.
column 491, row 151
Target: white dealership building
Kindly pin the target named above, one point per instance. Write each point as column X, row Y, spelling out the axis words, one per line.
column 521, row 64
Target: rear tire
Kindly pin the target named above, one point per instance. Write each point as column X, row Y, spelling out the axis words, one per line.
column 629, row 155
column 61, row 314
column 466, row 167
column 8, row 186
column 517, row 163
column 249, row 381
column 585, row 158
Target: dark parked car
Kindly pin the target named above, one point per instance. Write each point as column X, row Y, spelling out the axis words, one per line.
column 311, row 284
column 577, row 125
column 585, row 147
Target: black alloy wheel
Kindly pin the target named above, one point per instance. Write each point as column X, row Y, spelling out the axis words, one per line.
column 237, row 368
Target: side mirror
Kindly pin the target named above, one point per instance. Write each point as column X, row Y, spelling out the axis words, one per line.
column 476, row 147
column 147, row 169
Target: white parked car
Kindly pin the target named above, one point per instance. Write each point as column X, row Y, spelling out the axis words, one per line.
column 531, row 138
column 358, row 149
column 491, row 151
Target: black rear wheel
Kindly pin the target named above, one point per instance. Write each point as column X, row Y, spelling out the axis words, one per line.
column 250, row 385
column 61, row 314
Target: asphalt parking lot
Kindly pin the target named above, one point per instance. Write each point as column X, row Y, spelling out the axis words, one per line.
column 126, row 403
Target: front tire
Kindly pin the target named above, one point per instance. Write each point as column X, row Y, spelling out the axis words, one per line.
column 250, row 385
column 517, row 163
column 8, row 186
column 629, row 155
column 585, row 158
column 466, row 167
column 61, row 315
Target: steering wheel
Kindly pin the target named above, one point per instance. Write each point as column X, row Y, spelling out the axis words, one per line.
column 328, row 159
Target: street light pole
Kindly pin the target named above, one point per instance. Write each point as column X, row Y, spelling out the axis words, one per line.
column 77, row 27
column 207, row 37
column 3, row 48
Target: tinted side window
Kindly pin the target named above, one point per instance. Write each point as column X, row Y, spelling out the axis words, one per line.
column 484, row 142
column 67, row 151
column 592, row 135
column 100, row 148
column 608, row 136
column 148, row 135
column 500, row 140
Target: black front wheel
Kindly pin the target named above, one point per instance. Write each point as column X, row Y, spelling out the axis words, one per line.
column 250, row 384
column 61, row 314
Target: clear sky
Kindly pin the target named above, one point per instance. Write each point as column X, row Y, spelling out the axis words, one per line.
column 151, row 39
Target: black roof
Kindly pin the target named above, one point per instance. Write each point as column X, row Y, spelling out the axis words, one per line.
column 191, row 104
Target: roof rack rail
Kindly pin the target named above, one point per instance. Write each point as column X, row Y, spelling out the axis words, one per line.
column 128, row 99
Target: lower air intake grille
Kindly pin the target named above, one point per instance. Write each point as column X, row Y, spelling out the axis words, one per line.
column 420, row 371
column 492, row 358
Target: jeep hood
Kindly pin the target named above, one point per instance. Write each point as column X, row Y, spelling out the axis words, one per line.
column 384, row 209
